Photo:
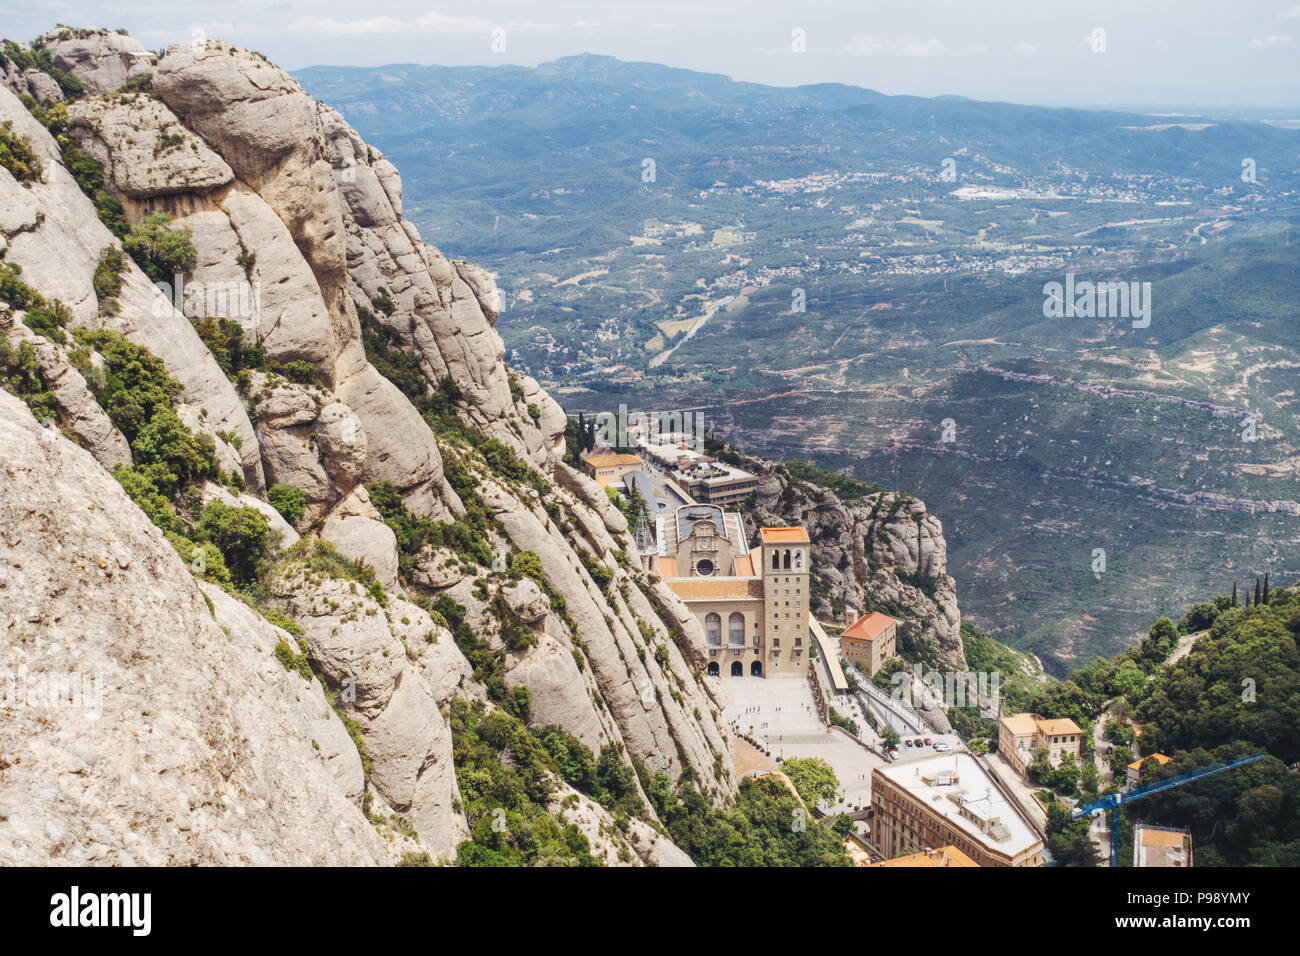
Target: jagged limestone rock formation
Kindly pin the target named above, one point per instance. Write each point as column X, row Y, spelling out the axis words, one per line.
column 52, row 231
column 101, row 60
column 284, row 201
column 372, row 652
column 143, row 148
column 882, row 551
column 78, row 412
column 641, row 845
column 187, row 743
column 358, row 531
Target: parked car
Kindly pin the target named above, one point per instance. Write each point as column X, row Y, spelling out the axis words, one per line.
column 927, row 741
column 917, row 743
column 941, row 746
column 908, row 742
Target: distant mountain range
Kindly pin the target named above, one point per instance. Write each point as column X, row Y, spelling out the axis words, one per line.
column 619, row 203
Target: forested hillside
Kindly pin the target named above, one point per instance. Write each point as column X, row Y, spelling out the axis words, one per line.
column 1236, row 692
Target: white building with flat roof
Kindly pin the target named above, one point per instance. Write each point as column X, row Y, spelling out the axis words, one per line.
column 948, row 800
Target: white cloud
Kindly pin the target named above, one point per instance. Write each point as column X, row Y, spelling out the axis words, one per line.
column 1277, row 39
column 1025, row 49
column 1292, row 14
column 431, row 22
column 930, row 47
column 866, row 44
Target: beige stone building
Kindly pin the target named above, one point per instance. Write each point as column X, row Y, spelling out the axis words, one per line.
column 948, row 801
column 610, row 469
column 1133, row 772
column 871, row 640
column 1021, row 736
column 752, row 603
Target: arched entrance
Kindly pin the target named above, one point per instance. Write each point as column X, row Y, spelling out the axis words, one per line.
column 713, row 669
column 737, row 669
column 756, row 669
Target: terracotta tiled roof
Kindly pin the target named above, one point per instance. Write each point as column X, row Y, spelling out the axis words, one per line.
column 668, row 567
column 717, row 589
column 944, row 856
column 744, row 567
column 607, row 461
column 1152, row 837
column 1059, row 727
column 785, row 536
column 1021, row 725
column 1160, row 759
column 869, row 626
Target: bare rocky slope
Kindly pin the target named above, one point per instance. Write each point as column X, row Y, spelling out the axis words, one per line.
column 442, row 556
column 205, row 748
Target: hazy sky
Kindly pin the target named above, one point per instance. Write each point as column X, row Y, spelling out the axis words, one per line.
column 1157, row 53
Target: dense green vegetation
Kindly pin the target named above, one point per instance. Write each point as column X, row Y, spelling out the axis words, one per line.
column 242, row 535
column 1019, row 677
column 1236, row 692
column 506, row 776
column 139, row 395
column 162, row 250
column 20, row 370
column 1068, row 839
column 224, row 338
column 44, row 317
column 607, row 779
column 467, row 537
column 38, row 58
column 20, row 374
column 17, row 155
column 290, row 502
column 765, row 826
column 108, row 278
column 489, row 669
column 813, row 778
column 224, row 544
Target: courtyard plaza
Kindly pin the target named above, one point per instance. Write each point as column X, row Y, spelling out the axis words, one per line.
column 780, row 714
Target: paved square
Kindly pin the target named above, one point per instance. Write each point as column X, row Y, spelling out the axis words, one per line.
column 780, row 713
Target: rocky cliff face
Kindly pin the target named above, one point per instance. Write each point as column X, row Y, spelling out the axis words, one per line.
column 872, row 550
column 204, row 731
column 140, row 727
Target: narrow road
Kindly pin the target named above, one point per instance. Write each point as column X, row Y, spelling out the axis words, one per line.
column 690, row 334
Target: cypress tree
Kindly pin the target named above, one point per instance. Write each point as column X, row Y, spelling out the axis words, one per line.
column 1266, row 587
column 1256, row 590
column 1234, row 593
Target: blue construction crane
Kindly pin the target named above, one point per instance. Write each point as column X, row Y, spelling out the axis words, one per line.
column 1112, row 802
